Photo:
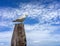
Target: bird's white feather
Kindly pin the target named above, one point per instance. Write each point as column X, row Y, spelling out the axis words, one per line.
column 23, row 16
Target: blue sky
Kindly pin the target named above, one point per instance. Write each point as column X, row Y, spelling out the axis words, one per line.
column 42, row 26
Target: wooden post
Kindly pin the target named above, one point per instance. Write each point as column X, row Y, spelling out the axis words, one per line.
column 18, row 37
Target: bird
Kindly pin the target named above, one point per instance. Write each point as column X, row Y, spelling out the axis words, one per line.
column 21, row 18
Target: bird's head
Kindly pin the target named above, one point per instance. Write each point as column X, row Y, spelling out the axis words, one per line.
column 26, row 14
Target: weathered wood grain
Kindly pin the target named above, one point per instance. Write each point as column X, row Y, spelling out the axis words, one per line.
column 18, row 37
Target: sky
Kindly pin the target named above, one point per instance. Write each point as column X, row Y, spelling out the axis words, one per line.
column 42, row 26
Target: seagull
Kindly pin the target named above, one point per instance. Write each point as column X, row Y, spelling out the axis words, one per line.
column 21, row 18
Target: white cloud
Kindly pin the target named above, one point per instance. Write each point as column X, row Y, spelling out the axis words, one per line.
column 5, row 38
column 43, row 14
column 42, row 35
column 43, row 27
column 34, row 11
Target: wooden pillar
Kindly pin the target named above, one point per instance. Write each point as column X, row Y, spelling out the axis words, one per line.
column 18, row 37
